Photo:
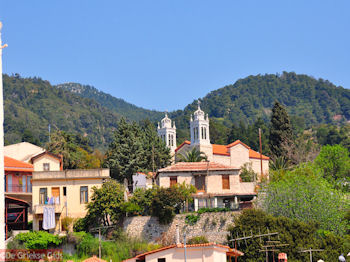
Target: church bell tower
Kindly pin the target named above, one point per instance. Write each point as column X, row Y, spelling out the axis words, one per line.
column 167, row 132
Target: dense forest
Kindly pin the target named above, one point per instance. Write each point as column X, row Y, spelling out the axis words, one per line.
column 31, row 104
column 118, row 105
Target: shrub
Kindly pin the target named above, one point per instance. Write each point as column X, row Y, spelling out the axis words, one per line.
column 198, row 240
column 38, row 240
column 192, row 219
column 81, row 224
column 214, row 209
column 169, row 201
column 247, row 174
column 67, row 222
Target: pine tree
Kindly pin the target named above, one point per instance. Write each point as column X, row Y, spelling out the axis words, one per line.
column 280, row 130
column 156, row 152
column 125, row 155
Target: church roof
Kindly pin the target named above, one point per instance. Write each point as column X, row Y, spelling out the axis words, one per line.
column 224, row 149
column 196, row 166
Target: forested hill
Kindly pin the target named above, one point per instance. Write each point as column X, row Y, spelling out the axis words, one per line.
column 308, row 99
column 118, row 105
column 31, row 104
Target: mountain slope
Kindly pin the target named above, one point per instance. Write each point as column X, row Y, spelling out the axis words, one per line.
column 314, row 101
column 118, row 105
column 31, row 104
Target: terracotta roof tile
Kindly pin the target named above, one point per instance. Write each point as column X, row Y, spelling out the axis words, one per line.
column 186, row 142
column 254, row 154
column 12, row 164
column 187, row 246
column 94, row 259
column 196, row 166
column 225, row 149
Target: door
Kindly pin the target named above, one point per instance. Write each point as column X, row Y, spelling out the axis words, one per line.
column 55, row 192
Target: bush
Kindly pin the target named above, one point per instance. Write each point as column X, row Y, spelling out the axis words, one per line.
column 81, row 224
column 192, row 219
column 214, row 209
column 67, row 222
column 247, row 174
column 169, row 201
column 197, row 240
column 38, row 240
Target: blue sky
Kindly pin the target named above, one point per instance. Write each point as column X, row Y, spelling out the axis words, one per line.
column 164, row 54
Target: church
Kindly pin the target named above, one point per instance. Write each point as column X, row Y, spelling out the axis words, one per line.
column 235, row 154
column 217, row 180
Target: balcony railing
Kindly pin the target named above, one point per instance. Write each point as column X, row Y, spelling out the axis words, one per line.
column 15, row 188
column 39, row 209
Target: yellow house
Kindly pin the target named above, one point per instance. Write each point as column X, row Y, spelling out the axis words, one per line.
column 66, row 191
column 41, row 159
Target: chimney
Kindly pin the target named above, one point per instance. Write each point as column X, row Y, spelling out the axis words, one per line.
column 177, row 235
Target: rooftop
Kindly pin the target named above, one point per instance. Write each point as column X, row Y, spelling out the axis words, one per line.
column 12, row 164
column 71, row 174
column 196, row 166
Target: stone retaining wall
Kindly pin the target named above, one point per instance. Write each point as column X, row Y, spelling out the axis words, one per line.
column 212, row 225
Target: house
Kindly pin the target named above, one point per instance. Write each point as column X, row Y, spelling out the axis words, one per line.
column 142, row 180
column 235, row 154
column 18, row 177
column 209, row 252
column 67, row 192
column 41, row 159
column 217, row 185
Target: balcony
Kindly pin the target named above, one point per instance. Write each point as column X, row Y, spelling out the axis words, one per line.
column 18, row 189
column 39, row 209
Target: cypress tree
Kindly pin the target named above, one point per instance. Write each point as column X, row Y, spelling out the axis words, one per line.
column 280, row 130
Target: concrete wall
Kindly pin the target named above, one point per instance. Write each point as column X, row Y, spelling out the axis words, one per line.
column 211, row 225
column 39, row 163
column 257, row 168
column 239, row 155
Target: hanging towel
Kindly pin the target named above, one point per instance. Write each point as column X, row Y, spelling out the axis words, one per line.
column 49, row 218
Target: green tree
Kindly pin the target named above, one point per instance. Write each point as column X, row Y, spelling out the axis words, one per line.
column 125, row 155
column 157, row 154
column 303, row 194
column 280, row 130
column 169, row 201
column 334, row 162
column 106, row 205
column 75, row 150
column 194, row 155
column 295, row 233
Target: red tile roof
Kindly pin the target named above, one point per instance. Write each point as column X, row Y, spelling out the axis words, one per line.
column 225, row 149
column 94, row 259
column 12, row 164
column 196, row 166
column 254, row 154
column 230, row 250
column 186, row 142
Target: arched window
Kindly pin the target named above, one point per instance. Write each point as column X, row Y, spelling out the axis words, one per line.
column 205, row 133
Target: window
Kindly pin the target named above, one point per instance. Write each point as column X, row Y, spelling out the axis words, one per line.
column 205, row 132
column 202, row 130
column 46, row 166
column 199, row 182
column 161, row 260
column 42, row 196
column 83, row 194
column 169, row 140
column 225, row 182
column 29, row 184
column 173, row 181
column 65, row 191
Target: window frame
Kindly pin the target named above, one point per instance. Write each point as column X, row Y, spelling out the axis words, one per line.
column 42, row 201
column 46, row 166
column 225, row 184
column 85, row 194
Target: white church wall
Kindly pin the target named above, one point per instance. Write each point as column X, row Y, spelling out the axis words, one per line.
column 239, row 155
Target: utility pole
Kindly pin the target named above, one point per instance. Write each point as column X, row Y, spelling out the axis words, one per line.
column 310, row 251
column 2, row 172
column 185, row 247
column 261, row 163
